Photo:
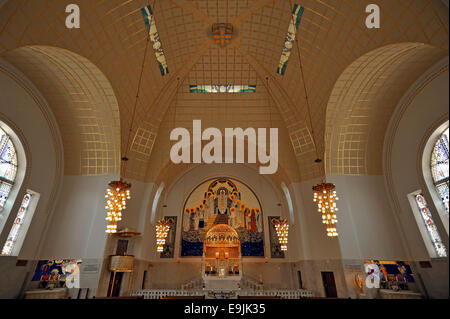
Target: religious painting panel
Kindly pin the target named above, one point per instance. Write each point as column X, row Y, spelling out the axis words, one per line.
column 393, row 274
column 222, row 201
column 53, row 273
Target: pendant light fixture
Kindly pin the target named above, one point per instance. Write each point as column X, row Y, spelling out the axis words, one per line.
column 162, row 230
column 324, row 193
column 282, row 229
column 119, row 191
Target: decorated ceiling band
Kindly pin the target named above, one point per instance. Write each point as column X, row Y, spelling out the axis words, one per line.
column 290, row 38
column 222, row 88
column 156, row 41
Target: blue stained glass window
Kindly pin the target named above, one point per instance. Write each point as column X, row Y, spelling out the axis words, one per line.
column 222, row 88
column 8, row 167
column 439, row 168
column 290, row 38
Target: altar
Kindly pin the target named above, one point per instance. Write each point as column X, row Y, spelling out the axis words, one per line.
column 221, row 261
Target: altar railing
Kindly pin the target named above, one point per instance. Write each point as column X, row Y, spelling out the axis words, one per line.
column 283, row 294
column 163, row 293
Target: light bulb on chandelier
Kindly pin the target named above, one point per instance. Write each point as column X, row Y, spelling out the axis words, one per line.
column 325, row 196
column 116, row 196
column 162, row 229
column 282, row 229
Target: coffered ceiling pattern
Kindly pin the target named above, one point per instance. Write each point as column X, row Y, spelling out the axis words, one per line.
column 332, row 35
column 84, row 105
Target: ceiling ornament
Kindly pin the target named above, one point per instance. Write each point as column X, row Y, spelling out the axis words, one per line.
column 222, row 33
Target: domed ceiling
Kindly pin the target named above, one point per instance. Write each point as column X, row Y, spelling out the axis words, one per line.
column 350, row 73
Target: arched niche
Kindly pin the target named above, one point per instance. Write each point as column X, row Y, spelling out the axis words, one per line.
column 437, row 131
column 83, row 103
column 175, row 194
column 363, row 100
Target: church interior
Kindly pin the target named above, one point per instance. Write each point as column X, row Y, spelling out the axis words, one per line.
column 110, row 188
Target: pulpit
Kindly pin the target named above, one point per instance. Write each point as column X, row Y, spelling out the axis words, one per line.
column 122, row 264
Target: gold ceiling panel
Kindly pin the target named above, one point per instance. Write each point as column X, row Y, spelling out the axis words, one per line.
column 222, row 67
column 83, row 103
column 362, row 102
column 331, row 36
column 221, row 111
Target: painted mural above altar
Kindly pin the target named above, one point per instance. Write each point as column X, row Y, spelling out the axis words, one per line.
column 222, row 201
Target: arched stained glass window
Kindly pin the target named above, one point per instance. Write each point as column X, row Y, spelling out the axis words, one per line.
column 8, row 167
column 439, row 168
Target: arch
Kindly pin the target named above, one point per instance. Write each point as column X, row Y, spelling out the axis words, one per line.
column 84, row 105
column 363, row 100
column 427, row 151
column 9, row 194
column 287, row 195
column 403, row 140
column 227, row 205
column 156, row 201
column 264, row 188
column 8, row 166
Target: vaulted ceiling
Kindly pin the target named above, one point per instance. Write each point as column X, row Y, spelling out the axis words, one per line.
column 336, row 51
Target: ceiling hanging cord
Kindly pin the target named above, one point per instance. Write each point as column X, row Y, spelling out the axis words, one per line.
column 169, row 173
column 324, row 193
column 125, row 158
column 163, row 225
column 281, row 224
column 119, row 191
column 318, row 159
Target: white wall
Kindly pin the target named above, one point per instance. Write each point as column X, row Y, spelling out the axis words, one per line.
column 77, row 228
column 423, row 107
column 22, row 105
column 314, row 243
column 366, row 224
column 26, row 112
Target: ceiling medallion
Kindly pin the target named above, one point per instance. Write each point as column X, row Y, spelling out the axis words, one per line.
column 222, row 33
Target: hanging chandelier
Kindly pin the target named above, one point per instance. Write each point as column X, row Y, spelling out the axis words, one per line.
column 119, row 191
column 162, row 229
column 325, row 196
column 117, row 196
column 282, row 229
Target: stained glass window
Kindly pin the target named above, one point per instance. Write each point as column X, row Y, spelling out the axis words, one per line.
column 15, row 229
column 156, row 41
column 8, row 167
column 430, row 226
column 439, row 168
column 222, row 88
column 296, row 18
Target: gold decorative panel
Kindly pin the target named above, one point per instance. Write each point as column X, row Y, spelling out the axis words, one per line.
column 331, row 36
column 83, row 103
column 362, row 102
